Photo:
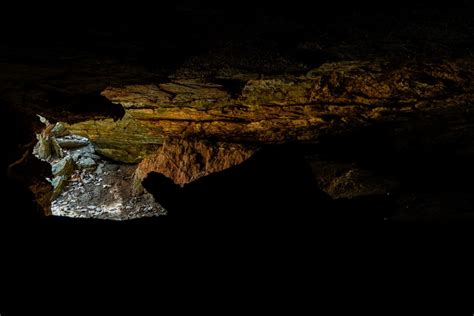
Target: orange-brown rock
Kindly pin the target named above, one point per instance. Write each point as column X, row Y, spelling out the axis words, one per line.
column 185, row 161
column 331, row 99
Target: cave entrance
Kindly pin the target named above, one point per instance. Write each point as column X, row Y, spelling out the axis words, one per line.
column 86, row 184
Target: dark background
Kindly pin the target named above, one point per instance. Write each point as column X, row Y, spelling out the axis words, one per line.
column 44, row 22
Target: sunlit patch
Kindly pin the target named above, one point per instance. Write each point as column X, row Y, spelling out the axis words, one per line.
column 87, row 185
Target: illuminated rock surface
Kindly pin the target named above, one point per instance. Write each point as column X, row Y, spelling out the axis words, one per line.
column 332, row 99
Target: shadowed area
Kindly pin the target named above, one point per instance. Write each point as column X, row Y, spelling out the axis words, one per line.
column 275, row 189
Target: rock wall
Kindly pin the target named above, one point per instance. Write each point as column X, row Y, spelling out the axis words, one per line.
column 186, row 161
column 332, row 99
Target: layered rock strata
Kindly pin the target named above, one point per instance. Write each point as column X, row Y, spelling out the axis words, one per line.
column 192, row 114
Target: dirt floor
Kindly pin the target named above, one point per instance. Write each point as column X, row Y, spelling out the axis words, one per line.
column 104, row 193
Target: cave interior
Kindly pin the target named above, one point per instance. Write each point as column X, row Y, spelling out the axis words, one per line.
column 242, row 115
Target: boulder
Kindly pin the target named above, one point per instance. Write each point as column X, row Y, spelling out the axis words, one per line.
column 65, row 167
column 84, row 152
column 99, row 169
column 72, row 141
column 43, row 147
column 59, row 183
column 86, row 163
column 59, row 130
column 56, row 150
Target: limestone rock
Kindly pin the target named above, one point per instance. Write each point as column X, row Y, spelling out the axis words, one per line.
column 86, row 163
column 56, row 150
column 331, row 99
column 348, row 181
column 43, row 148
column 84, row 152
column 99, row 169
column 72, row 141
column 127, row 140
column 185, row 161
column 65, row 167
column 59, row 130
column 59, row 183
column 357, row 183
column 47, row 147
